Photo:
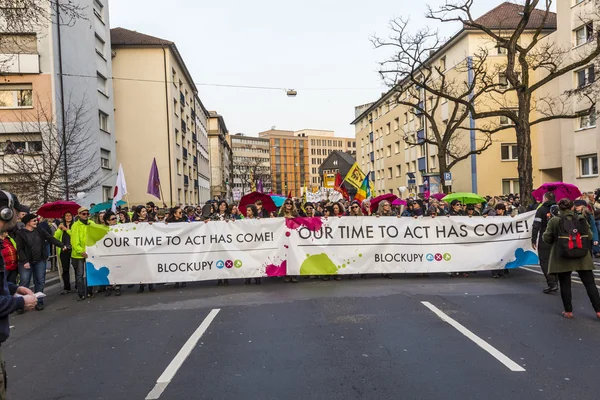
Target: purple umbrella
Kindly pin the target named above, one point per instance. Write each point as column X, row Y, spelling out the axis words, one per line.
column 399, row 202
column 560, row 189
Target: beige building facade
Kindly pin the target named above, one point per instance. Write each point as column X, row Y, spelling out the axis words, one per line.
column 157, row 115
column 251, row 163
column 389, row 136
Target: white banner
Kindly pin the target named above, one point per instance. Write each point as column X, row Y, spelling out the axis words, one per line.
column 355, row 245
column 184, row 252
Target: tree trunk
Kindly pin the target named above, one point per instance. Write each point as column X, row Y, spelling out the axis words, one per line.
column 443, row 166
column 525, row 159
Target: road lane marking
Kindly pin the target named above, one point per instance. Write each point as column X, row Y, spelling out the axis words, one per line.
column 510, row 364
column 163, row 381
column 573, row 279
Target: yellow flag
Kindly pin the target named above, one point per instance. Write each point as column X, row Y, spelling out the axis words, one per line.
column 355, row 176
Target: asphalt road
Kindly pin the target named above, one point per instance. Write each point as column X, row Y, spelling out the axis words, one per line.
column 360, row 339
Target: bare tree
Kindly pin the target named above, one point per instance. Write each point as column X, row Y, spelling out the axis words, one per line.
column 529, row 66
column 415, row 79
column 249, row 171
column 33, row 164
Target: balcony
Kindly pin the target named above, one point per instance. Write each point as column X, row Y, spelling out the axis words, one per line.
column 20, row 63
column 421, row 164
column 420, row 136
column 193, row 114
column 372, row 156
column 418, row 111
column 182, row 99
column 183, row 127
column 372, row 176
column 185, row 153
column 194, row 137
column 186, row 180
column 196, row 183
column 195, row 160
column 371, row 137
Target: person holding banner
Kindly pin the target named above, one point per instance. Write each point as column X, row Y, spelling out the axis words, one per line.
column 175, row 215
column 564, row 261
column 251, row 212
column 288, row 210
column 140, row 214
column 222, row 214
column 78, row 234
column 355, row 209
column 338, row 209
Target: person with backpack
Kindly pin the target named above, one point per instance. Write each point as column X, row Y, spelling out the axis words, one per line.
column 569, row 235
column 540, row 222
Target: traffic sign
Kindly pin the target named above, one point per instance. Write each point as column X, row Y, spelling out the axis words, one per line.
column 447, row 176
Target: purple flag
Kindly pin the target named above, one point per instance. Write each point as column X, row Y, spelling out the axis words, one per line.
column 259, row 186
column 154, row 181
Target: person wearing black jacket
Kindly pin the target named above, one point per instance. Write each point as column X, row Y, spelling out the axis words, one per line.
column 32, row 253
column 539, row 227
column 9, row 212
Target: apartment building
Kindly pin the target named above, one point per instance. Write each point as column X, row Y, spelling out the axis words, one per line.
column 158, row 115
column 390, row 137
column 54, row 80
column 289, row 161
column 568, row 149
column 251, row 163
column 321, row 143
column 201, row 116
column 221, row 157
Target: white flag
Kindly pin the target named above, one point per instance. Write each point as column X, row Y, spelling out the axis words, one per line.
column 120, row 189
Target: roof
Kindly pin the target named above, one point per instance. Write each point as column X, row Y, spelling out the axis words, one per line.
column 126, row 37
column 340, row 154
column 508, row 15
column 505, row 16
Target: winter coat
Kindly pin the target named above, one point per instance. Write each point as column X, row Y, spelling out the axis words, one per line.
column 557, row 263
column 78, row 233
column 31, row 245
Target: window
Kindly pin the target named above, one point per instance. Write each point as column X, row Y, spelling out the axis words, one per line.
column 177, row 137
column 443, row 63
column 388, row 128
column 432, row 162
column 107, row 193
column 99, row 46
column 389, row 151
column 105, row 159
column 501, row 50
column 397, row 147
column 398, row 170
column 103, row 121
column 587, row 120
column 16, row 96
column 23, row 43
column 502, row 80
column 508, row 152
column 578, row 1
column 101, row 83
column 389, row 174
column 397, row 124
column 178, row 166
column 585, row 76
column 588, row 165
column 99, row 10
column 504, row 120
column 406, row 117
column 584, row 34
column 510, row 186
column 174, row 77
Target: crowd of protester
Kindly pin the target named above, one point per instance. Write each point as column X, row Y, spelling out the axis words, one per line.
column 26, row 248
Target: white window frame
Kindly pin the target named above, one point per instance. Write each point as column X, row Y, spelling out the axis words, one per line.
column 103, row 121
column 16, row 95
column 105, row 159
column 587, row 120
column 102, row 42
column 101, row 83
column 512, row 186
column 512, row 155
column 587, row 160
column 582, row 34
column 587, row 80
column 99, row 10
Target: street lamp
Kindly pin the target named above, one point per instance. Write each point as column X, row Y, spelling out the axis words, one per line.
column 291, row 93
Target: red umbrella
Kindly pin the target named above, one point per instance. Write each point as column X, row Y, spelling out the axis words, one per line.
column 253, row 197
column 560, row 189
column 57, row 209
column 387, row 196
column 438, row 196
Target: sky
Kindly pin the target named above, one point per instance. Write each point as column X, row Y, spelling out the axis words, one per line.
column 321, row 48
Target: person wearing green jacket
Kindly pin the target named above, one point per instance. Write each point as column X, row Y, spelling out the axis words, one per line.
column 78, row 234
column 563, row 267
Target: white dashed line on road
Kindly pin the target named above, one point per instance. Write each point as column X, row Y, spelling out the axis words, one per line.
column 510, row 364
column 573, row 279
column 163, row 381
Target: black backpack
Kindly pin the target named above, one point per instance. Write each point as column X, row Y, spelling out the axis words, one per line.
column 571, row 242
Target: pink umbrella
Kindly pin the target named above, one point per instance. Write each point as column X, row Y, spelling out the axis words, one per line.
column 399, row 202
column 439, row 196
column 560, row 189
column 58, row 209
column 387, row 196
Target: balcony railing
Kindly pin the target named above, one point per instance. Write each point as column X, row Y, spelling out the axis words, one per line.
column 421, row 164
column 182, row 99
column 196, row 160
column 20, row 63
column 185, row 153
column 186, row 180
column 420, row 136
column 194, row 137
column 183, row 127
